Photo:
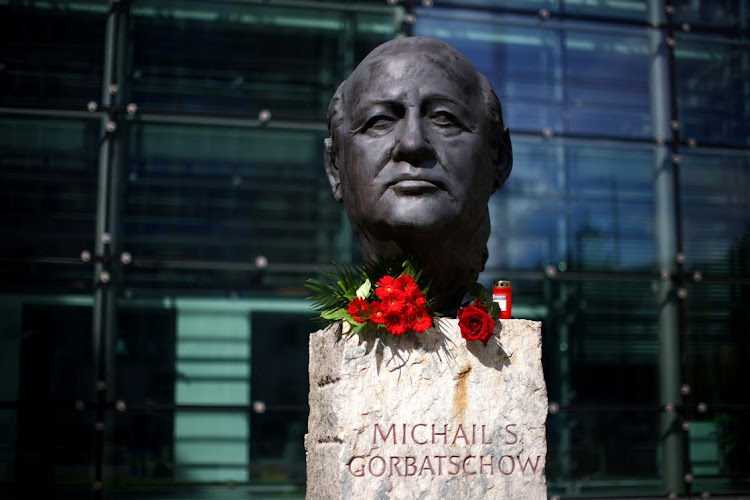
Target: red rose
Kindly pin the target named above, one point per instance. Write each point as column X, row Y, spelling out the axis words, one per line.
column 475, row 323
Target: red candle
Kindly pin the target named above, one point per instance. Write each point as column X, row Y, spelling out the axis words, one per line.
column 501, row 294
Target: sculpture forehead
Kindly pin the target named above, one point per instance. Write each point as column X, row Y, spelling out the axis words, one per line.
column 414, row 62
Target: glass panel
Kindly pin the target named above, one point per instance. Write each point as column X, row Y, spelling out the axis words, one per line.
column 53, row 453
column 239, row 58
column 585, row 458
column 281, row 382
column 213, row 436
column 48, row 172
column 178, row 447
column 54, row 432
column 145, row 443
column 145, row 354
column 574, row 205
column 718, row 343
column 489, row 4
column 713, row 93
column 228, row 194
column 612, row 340
column 51, row 56
column 56, row 354
column 716, row 211
column 719, row 451
column 621, row 9
column 574, row 81
column 713, row 13
column 8, row 432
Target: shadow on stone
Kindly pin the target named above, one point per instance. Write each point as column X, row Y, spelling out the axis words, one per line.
column 400, row 351
column 493, row 352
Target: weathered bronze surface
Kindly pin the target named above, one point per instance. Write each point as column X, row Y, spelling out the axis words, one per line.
column 417, row 145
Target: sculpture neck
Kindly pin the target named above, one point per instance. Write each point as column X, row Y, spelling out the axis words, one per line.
column 448, row 264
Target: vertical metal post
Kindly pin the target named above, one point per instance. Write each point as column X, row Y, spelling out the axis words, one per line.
column 563, row 223
column 667, row 246
column 106, row 243
column 563, row 326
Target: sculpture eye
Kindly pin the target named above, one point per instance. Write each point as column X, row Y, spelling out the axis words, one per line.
column 446, row 121
column 378, row 123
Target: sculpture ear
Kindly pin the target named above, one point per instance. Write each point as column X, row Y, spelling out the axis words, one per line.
column 332, row 169
column 503, row 159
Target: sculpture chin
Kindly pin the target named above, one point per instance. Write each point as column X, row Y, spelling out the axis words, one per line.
column 419, row 207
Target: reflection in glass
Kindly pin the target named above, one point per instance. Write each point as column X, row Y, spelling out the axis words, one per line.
column 712, row 91
column 241, row 58
column 580, row 82
column 586, row 205
column 51, row 56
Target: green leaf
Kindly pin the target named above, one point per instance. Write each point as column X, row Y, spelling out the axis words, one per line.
column 494, row 309
column 356, row 327
column 363, row 291
column 351, row 293
column 478, row 291
column 335, row 315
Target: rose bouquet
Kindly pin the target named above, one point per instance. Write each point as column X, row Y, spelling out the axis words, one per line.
column 391, row 296
column 384, row 293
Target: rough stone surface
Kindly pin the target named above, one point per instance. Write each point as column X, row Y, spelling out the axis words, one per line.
column 427, row 415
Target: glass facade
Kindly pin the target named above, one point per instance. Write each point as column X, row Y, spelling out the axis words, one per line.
column 163, row 202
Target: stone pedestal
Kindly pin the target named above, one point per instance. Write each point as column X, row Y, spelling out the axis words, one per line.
column 427, row 415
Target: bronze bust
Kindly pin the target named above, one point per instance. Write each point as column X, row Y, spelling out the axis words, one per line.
column 417, row 145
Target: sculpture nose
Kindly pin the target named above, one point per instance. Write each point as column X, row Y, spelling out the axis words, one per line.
column 413, row 146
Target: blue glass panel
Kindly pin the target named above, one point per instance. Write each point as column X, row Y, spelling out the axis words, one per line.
column 580, row 82
column 588, row 206
column 713, row 95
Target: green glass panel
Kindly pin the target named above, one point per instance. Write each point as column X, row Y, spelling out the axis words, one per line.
column 227, row 196
column 241, row 58
column 719, row 453
column 51, row 53
column 727, row 14
column 587, row 459
column 715, row 211
column 621, row 9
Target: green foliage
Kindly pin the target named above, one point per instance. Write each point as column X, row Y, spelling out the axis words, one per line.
column 331, row 296
column 477, row 291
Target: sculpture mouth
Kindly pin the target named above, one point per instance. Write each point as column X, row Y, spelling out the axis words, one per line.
column 409, row 185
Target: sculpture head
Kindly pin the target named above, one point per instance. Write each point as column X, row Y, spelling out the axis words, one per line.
column 417, row 145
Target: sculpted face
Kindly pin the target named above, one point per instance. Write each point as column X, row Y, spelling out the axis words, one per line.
column 414, row 153
column 417, row 147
